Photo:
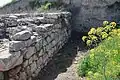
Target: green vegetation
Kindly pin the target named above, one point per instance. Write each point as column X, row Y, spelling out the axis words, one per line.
column 96, row 35
column 102, row 62
column 45, row 6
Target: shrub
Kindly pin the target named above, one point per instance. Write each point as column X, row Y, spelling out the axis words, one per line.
column 102, row 62
column 96, row 35
column 47, row 6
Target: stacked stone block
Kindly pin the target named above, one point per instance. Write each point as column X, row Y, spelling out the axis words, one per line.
column 33, row 40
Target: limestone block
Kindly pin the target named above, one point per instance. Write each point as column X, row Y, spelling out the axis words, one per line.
column 11, row 23
column 44, row 42
column 10, row 61
column 13, row 30
column 54, row 42
column 28, row 43
column 13, row 16
column 31, row 60
column 66, row 14
column 39, row 62
column 43, row 28
column 14, row 71
column 30, row 52
column 21, row 36
column 49, row 46
column 46, row 20
column 52, row 15
column 23, row 76
column 28, row 71
column 45, row 57
column 41, row 52
column 33, row 67
column 37, row 71
column 18, row 61
column 58, row 26
column 50, row 53
column 48, row 39
column 16, row 45
column 39, row 44
column 52, row 35
column 35, row 57
column 33, row 38
column 31, row 41
column 25, row 64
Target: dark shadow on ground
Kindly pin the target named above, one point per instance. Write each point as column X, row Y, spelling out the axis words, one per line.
column 63, row 59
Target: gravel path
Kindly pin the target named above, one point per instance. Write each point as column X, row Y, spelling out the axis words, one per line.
column 64, row 63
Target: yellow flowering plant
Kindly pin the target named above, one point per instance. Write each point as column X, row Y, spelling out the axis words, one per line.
column 105, row 23
column 96, row 35
column 102, row 62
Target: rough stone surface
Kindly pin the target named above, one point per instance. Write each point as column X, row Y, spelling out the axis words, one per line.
column 21, row 36
column 91, row 13
column 86, row 13
column 31, row 51
column 31, row 44
column 16, row 45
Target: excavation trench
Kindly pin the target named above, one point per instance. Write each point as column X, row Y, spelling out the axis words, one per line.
column 63, row 66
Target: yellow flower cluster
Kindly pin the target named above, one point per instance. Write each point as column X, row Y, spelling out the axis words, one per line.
column 84, row 38
column 115, row 32
column 99, row 30
column 96, row 35
column 105, row 23
column 113, row 24
column 104, row 35
column 92, row 31
column 89, row 42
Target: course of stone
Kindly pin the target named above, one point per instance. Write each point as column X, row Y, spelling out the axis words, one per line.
column 28, row 42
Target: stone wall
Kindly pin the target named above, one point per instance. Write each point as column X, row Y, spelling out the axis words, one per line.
column 86, row 13
column 32, row 40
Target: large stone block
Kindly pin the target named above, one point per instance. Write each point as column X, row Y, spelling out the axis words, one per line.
column 48, row 39
column 21, row 36
column 45, row 42
column 31, row 60
column 25, row 64
column 39, row 44
column 16, row 45
column 33, row 67
column 23, row 76
column 43, row 28
column 41, row 52
column 28, row 71
column 30, row 52
column 39, row 62
column 10, row 60
column 31, row 41
column 14, row 71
